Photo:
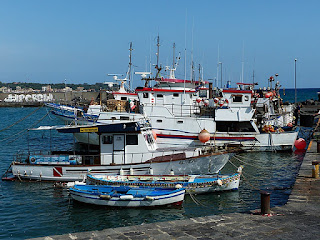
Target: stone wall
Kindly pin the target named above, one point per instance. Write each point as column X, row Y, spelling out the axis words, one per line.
column 30, row 99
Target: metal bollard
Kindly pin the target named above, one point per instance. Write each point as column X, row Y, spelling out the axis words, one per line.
column 315, row 168
column 265, row 202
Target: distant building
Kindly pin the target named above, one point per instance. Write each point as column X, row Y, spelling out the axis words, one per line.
column 18, row 89
column 46, row 88
column 67, row 89
column 80, row 89
column 5, row 89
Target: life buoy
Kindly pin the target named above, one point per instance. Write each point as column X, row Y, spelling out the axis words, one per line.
column 221, row 102
column 32, row 160
column 268, row 95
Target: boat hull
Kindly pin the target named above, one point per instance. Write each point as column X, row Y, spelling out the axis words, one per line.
column 248, row 142
column 204, row 184
column 207, row 164
column 174, row 198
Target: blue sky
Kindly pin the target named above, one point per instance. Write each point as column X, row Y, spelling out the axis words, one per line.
column 82, row 41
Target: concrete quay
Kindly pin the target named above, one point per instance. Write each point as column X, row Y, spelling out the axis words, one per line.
column 298, row 219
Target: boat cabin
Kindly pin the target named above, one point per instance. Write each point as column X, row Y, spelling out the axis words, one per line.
column 120, row 143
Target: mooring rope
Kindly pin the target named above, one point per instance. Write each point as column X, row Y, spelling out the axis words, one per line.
column 21, row 119
column 24, row 130
column 256, row 166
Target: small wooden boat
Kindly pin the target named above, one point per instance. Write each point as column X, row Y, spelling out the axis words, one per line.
column 194, row 184
column 126, row 196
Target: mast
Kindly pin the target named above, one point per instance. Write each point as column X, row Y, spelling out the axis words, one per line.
column 174, row 48
column 253, row 76
column 192, row 70
column 158, row 53
column 130, row 65
column 242, row 62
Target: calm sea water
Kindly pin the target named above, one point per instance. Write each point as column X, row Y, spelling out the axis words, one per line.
column 37, row 209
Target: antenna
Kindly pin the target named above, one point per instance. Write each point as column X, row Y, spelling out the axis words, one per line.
column 143, row 74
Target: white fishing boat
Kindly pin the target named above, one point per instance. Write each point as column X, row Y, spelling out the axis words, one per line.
column 125, row 196
column 180, row 109
column 124, row 148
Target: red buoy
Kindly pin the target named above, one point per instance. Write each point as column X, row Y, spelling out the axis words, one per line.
column 204, row 136
column 268, row 94
column 300, row 144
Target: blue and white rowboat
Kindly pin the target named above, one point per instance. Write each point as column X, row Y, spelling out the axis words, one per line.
column 125, row 196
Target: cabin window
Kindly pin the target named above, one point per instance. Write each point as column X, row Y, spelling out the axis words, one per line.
column 145, row 95
column 124, row 98
column 132, row 139
column 180, row 121
column 176, row 94
column 203, row 93
column 159, row 95
column 107, row 139
column 246, row 98
column 159, row 120
column 113, row 118
column 237, row 98
column 124, row 118
column 226, row 126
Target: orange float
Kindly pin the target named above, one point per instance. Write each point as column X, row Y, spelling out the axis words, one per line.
column 204, row 136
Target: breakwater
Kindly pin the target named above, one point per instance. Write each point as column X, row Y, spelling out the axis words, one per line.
column 37, row 99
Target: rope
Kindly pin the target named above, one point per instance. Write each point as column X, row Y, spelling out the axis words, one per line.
column 242, row 175
column 196, row 201
column 21, row 119
column 24, row 130
column 248, row 182
column 6, row 173
column 256, row 166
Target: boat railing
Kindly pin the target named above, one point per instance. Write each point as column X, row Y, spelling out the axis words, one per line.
column 163, row 154
column 183, row 110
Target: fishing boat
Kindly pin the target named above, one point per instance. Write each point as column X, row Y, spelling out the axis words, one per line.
column 124, row 148
column 125, row 196
column 194, row 184
column 71, row 114
column 180, row 109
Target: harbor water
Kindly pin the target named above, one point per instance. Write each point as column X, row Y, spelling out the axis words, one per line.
column 35, row 209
